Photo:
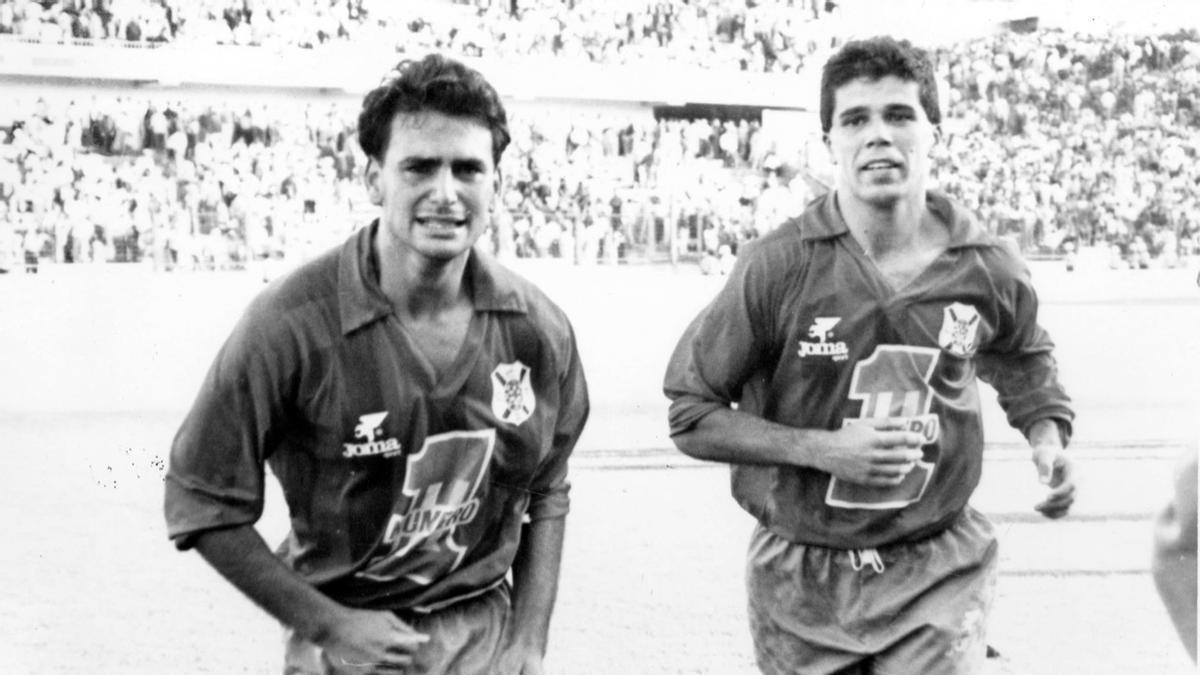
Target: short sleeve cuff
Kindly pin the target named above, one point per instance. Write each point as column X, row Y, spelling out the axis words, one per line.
column 190, row 512
column 555, row 503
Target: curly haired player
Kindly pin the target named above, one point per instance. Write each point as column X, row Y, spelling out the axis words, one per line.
column 417, row 403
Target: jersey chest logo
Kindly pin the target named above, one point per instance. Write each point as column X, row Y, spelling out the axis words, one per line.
column 960, row 325
column 512, row 393
column 369, row 430
column 822, row 342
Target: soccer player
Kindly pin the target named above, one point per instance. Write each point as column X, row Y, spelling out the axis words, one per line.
column 1174, row 552
column 417, row 403
column 836, row 371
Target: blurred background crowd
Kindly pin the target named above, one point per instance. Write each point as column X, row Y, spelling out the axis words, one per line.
column 1056, row 140
column 761, row 35
column 1067, row 140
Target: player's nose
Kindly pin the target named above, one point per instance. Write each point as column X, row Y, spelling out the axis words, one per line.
column 444, row 187
column 878, row 132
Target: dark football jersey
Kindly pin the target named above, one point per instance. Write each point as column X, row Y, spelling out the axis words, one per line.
column 807, row 333
column 406, row 489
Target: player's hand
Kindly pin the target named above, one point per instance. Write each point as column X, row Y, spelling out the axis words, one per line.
column 862, row 454
column 518, row 660
column 371, row 641
column 1057, row 471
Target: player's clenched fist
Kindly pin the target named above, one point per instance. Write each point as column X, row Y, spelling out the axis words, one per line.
column 861, row 454
column 1057, row 472
column 370, row 641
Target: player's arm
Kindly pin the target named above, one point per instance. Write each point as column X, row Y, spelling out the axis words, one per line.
column 706, row 427
column 1174, row 554
column 1020, row 365
column 352, row 637
column 1055, row 468
column 539, row 554
column 535, row 587
column 856, row 453
column 214, row 492
column 716, row 356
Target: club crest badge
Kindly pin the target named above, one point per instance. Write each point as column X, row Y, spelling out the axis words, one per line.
column 512, row 393
column 960, row 324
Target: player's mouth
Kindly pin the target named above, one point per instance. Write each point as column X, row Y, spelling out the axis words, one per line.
column 440, row 223
column 881, row 165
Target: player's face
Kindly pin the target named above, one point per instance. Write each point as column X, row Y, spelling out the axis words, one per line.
column 880, row 140
column 435, row 184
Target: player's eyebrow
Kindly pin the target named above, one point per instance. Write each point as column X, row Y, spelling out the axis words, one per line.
column 428, row 163
column 900, row 108
column 848, row 113
column 468, row 163
column 419, row 162
column 859, row 110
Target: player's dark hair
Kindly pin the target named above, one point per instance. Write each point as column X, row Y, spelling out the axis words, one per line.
column 876, row 58
column 436, row 84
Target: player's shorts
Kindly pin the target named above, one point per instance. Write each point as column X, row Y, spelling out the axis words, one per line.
column 464, row 639
column 917, row 608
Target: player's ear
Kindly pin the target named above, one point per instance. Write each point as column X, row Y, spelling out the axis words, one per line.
column 828, row 147
column 371, row 179
column 497, row 182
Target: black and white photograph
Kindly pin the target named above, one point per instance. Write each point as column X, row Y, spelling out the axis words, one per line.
column 599, row 337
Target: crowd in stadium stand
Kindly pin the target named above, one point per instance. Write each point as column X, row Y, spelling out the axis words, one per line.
column 1055, row 140
column 761, row 36
column 1078, row 140
column 118, row 179
column 124, row 179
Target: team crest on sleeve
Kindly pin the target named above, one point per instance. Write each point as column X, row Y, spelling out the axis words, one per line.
column 512, row 393
column 369, row 430
column 960, row 325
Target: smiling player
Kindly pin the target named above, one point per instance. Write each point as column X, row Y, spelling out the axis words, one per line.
column 417, row 403
column 851, row 340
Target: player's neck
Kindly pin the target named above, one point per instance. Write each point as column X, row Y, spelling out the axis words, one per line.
column 884, row 229
column 418, row 286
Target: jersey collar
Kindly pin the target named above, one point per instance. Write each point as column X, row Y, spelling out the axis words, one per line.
column 493, row 287
column 823, row 220
column 362, row 300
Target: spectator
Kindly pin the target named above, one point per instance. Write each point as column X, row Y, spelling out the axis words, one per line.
column 1039, row 141
column 771, row 36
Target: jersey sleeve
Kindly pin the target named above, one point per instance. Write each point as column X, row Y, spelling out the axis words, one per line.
column 550, row 488
column 722, row 347
column 1020, row 364
column 215, row 476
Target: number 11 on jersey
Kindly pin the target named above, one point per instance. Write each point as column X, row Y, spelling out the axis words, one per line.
column 893, row 386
